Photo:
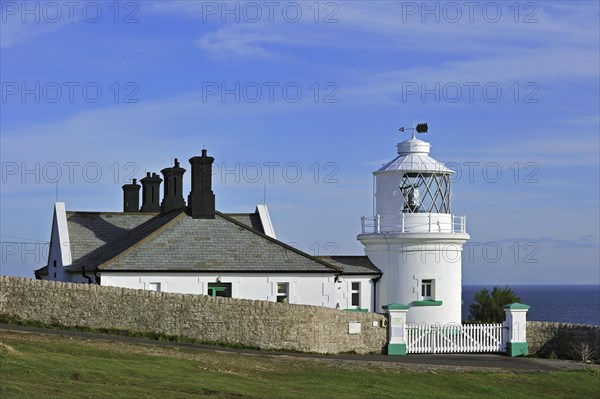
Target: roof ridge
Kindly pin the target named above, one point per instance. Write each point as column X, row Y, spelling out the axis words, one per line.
column 238, row 213
column 341, row 256
column 112, row 213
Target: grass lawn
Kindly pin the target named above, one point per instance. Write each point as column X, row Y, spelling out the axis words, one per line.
column 39, row 366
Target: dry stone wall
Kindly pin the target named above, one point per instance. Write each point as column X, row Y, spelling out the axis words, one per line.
column 267, row 325
column 562, row 340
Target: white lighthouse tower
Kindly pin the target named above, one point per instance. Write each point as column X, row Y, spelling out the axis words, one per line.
column 413, row 238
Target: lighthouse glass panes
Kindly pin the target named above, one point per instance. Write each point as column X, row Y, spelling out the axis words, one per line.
column 425, row 192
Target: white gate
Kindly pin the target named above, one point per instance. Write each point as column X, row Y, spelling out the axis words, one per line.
column 454, row 338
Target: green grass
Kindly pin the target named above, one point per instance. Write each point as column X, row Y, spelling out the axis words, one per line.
column 38, row 366
column 9, row 319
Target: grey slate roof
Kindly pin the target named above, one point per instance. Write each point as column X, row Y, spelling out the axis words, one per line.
column 113, row 247
column 249, row 219
column 89, row 231
column 41, row 272
column 177, row 242
column 352, row 264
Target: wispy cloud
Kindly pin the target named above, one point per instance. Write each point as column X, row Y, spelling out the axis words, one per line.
column 593, row 120
column 14, row 32
column 586, row 241
column 567, row 23
column 551, row 151
column 236, row 42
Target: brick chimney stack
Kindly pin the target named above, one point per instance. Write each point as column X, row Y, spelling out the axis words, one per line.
column 173, row 195
column 131, row 197
column 201, row 199
column 151, row 193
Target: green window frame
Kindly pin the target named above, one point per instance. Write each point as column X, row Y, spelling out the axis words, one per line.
column 219, row 289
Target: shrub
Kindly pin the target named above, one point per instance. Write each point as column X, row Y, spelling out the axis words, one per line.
column 489, row 306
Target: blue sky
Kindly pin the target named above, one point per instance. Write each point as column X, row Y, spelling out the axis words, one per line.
column 306, row 99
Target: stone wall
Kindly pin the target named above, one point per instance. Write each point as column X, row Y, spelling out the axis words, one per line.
column 562, row 340
column 267, row 325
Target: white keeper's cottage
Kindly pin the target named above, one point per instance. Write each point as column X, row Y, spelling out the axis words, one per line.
column 412, row 244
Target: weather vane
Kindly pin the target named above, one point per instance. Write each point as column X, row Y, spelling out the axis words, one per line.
column 420, row 128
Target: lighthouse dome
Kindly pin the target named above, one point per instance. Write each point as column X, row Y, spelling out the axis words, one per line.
column 413, row 156
column 413, row 146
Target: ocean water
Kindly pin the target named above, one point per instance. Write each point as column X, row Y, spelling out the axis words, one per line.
column 579, row 304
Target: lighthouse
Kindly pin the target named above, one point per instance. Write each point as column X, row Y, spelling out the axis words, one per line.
column 413, row 237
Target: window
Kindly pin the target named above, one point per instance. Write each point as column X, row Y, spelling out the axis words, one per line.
column 426, row 290
column 355, row 293
column 219, row 289
column 426, row 192
column 54, row 263
column 154, row 287
column 283, row 292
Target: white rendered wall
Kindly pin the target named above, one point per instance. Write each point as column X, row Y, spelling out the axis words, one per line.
column 406, row 260
column 54, row 254
column 306, row 289
column 60, row 250
column 344, row 292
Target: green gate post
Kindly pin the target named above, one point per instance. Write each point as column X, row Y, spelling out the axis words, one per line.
column 396, row 328
column 516, row 323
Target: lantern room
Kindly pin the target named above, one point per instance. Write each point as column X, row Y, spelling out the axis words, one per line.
column 412, row 193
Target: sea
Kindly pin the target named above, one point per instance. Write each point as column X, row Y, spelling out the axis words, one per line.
column 578, row 304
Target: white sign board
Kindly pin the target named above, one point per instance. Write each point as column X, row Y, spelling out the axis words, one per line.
column 354, row 327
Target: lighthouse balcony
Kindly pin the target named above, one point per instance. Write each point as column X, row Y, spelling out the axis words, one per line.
column 414, row 223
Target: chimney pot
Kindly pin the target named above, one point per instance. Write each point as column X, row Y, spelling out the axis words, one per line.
column 131, row 197
column 173, row 189
column 201, row 200
column 151, row 193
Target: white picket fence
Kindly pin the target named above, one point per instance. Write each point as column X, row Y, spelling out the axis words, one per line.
column 454, row 338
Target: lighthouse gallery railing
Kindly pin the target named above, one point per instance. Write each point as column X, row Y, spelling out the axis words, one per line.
column 426, row 223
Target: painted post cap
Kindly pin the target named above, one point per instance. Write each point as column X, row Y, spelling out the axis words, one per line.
column 396, row 306
column 516, row 305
